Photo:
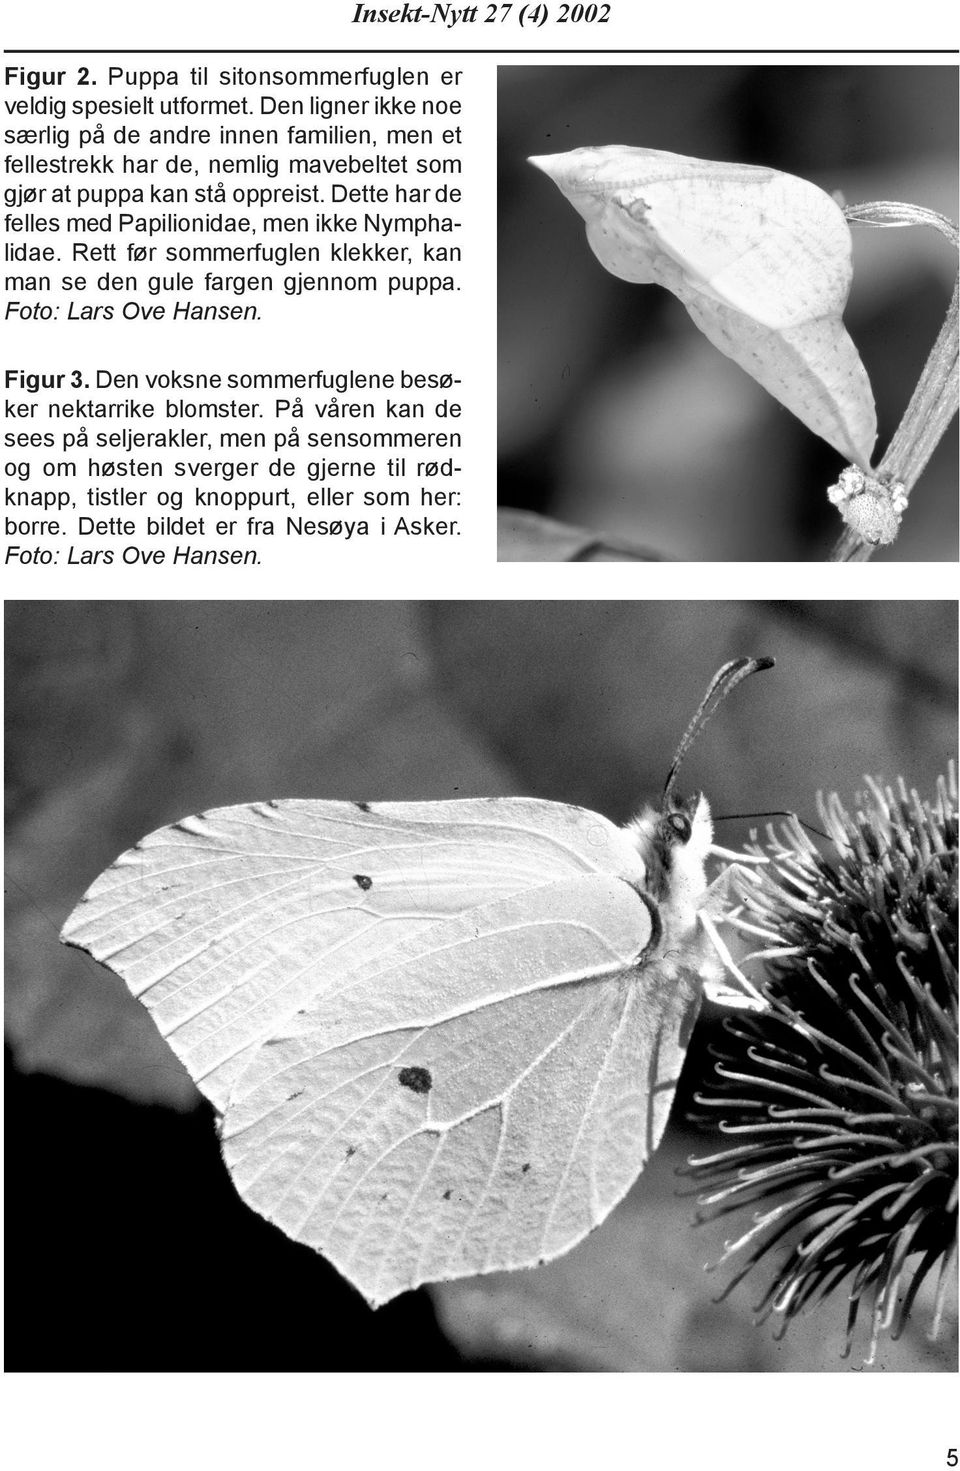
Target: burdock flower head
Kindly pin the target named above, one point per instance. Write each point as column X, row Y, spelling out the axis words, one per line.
column 842, row 1092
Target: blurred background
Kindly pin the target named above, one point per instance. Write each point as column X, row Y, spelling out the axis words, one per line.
column 615, row 413
column 127, row 1245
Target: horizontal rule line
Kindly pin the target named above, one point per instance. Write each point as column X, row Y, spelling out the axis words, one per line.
column 484, row 51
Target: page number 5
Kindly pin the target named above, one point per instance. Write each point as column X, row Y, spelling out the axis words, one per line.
column 951, row 1458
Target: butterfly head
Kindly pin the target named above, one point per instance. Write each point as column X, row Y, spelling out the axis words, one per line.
column 677, row 819
column 674, row 841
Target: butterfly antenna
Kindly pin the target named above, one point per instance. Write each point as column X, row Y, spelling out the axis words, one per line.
column 747, row 816
column 725, row 680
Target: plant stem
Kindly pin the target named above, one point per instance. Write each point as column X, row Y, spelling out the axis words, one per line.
column 934, row 400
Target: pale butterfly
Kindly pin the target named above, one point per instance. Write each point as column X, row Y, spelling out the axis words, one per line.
column 444, row 1037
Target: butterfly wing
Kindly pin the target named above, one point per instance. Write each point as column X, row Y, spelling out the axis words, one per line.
column 225, row 924
column 478, row 1098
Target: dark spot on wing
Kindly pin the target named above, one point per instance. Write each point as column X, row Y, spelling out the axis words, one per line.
column 363, row 806
column 525, row 1169
column 298, row 1094
column 417, row 1079
column 362, row 881
column 384, row 1196
column 447, row 1194
column 351, row 1151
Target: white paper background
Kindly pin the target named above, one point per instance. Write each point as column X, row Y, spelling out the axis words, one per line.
column 156, row 1421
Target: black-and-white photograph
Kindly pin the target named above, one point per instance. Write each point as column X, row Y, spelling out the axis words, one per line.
column 482, row 986
column 725, row 325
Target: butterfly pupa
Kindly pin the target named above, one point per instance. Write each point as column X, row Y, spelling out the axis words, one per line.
column 443, row 1037
column 761, row 260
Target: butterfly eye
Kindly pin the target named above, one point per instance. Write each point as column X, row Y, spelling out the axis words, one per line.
column 680, row 825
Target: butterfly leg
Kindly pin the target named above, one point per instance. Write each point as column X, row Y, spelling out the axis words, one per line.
column 716, row 907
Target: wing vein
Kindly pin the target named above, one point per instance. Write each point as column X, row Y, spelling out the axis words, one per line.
column 616, row 1031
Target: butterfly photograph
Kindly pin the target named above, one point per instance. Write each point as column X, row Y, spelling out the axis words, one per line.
column 709, row 326
column 408, row 951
